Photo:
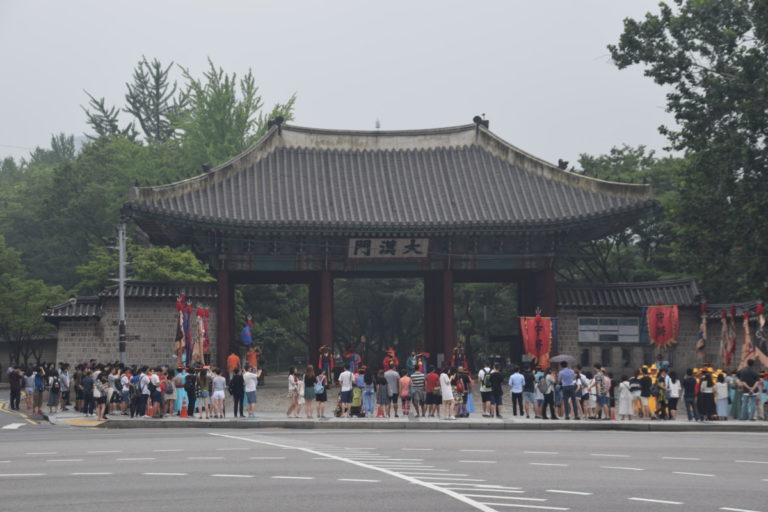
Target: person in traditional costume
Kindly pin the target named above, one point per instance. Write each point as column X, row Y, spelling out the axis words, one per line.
column 390, row 359
column 325, row 362
column 352, row 358
column 458, row 358
column 178, row 344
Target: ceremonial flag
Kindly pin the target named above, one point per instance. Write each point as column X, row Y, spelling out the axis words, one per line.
column 537, row 338
column 701, row 341
column 747, row 348
column 730, row 339
column 724, row 336
column 761, row 351
column 663, row 325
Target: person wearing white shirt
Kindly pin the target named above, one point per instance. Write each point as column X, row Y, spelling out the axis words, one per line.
column 251, row 383
column 516, row 382
column 345, row 382
column 485, row 389
column 447, row 393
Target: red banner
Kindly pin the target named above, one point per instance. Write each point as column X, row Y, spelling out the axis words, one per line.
column 537, row 338
column 663, row 325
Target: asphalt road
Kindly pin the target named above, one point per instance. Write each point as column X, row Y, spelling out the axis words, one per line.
column 196, row 470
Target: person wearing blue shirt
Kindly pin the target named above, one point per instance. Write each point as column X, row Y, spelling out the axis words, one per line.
column 566, row 378
column 516, row 382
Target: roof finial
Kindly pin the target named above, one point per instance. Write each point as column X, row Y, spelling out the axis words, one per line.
column 481, row 121
column 278, row 121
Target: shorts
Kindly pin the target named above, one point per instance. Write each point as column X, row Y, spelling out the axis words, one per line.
column 346, row 397
column 417, row 395
column 203, row 393
column 529, row 397
column 644, row 401
column 101, row 400
column 486, row 396
column 218, row 395
column 602, row 400
column 126, row 396
column 393, row 398
column 251, row 396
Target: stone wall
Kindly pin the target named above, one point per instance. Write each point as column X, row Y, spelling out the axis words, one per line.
column 153, row 320
column 622, row 358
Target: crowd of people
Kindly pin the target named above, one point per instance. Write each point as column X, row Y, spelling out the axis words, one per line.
column 655, row 392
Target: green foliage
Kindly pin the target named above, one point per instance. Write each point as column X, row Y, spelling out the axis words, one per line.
column 151, row 99
column 104, row 120
column 712, row 56
column 147, row 264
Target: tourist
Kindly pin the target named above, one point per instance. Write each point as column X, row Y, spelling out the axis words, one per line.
column 404, row 386
column 516, row 382
column 29, row 390
column 625, row 399
column 16, row 383
column 54, row 392
column 446, row 393
column 750, row 382
column 496, row 391
column 735, row 389
column 236, row 388
column 567, row 379
column 233, row 362
column 529, row 392
column 764, row 395
column 321, row 394
column 309, row 391
column 293, row 393
column 190, row 387
column 484, row 378
column 393, row 385
column 463, row 386
column 546, row 386
column 662, row 402
column 418, row 392
column 203, row 394
column 100, row 386
column 65, row 385
column 645, row 392
column 706, row 397
column 601, row 385
column 86, row 387
column 369, row 392
column 675, row 388
column 721, row 398
column 345, row 384
column 434, row 400
column 382, row 395
column 218, row 385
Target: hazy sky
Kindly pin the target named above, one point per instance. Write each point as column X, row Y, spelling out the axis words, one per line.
column 538, row 69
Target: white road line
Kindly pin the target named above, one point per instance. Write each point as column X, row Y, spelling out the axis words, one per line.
column 90, row 474
column 479, row 461
column 495, row 486
column 542, row 453
column 429, row 485
column 313, row 458
column 5, row 462
column 135, row 458
column 205, row 458
column 475, row 489
column 691, row 474
column 232, row 476
column 295, row 477
column 622, row 468
column 663, row 502
column 165, row 474
column 518, row 498
column 418, row 474
column 547, row 464
column 13, row 426
column 357, row 480
column 681, row 458
column 266, row 458
column 470, row 450
column 64, row 460
column 520, row 505
column 752, row 461
column 417, row 449
column 608, row 455
column 578, row 493
column 21, row 474
column 453, row 479
column 737, row 509
column 165, row 450
column 105, row 451
column 231, row 449
column 41, row 453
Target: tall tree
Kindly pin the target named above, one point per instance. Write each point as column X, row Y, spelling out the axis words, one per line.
column 152, row 99
column 104, row 120
column 713, row 56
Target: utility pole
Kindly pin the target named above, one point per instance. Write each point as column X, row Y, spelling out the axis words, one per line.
column 121, row 288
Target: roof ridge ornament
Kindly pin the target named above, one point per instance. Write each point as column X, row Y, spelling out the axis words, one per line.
column 278, row 121
column 481, row 121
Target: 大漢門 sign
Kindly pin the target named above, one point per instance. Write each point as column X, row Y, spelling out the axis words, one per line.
column 377, row 248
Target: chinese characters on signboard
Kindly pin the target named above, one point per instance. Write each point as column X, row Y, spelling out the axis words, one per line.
column 370, row 248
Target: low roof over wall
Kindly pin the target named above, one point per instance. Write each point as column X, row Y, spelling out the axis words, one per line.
column 683, row 292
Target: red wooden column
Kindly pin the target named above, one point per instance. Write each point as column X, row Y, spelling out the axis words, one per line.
column 432, row 342
column 225, row 317
column 447, row 314
column 320, row 313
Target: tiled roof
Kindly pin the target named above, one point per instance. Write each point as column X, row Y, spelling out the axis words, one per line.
column 83, row 308
column 683, row 292
column 444, row 179
column 154, row 290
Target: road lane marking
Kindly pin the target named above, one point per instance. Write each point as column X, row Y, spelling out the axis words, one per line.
column 577, row 493
column 205, row 458
column 520, row 505
column 266, row 458
column 21, row 474
column 479, row 461
column 609, row 455
column 357, row 480
column 471, row 450
column 451, row 478
column 136, row 458
column 64, row 460
column 90, row 474
column 417, row 449
column 475, row 489
column 518, row 498
column 165, row 474
column 541, row 453
column 417, row 474
column 232, row 449
column 623, row 468
column 169, row 450
column 495, row 486
column 681, row 458
column 4, row 461
column 429, row 485
column 295, row 477
column 737, row 509
column 105, row 451
column 232, row 476
column 691, row 474
column 547, row 464
column 663, row 502
column 41, row 453
column 752, row 461
column 13, row 426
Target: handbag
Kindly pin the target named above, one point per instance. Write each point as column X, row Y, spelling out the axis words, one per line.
column 96, row 392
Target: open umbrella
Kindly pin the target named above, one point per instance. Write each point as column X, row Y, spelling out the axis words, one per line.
column 562, row 357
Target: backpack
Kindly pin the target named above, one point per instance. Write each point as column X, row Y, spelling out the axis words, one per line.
column 486, row 379
column 169, row 387
column 542, row 385
column 319, row 388
column 460, row 385
column 134, row 391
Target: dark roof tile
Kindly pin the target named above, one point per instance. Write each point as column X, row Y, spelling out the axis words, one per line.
column 683, row 292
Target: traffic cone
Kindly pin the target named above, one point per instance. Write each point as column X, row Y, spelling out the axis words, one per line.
column 184, row 413
column 150, row 409
column 380, row 412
